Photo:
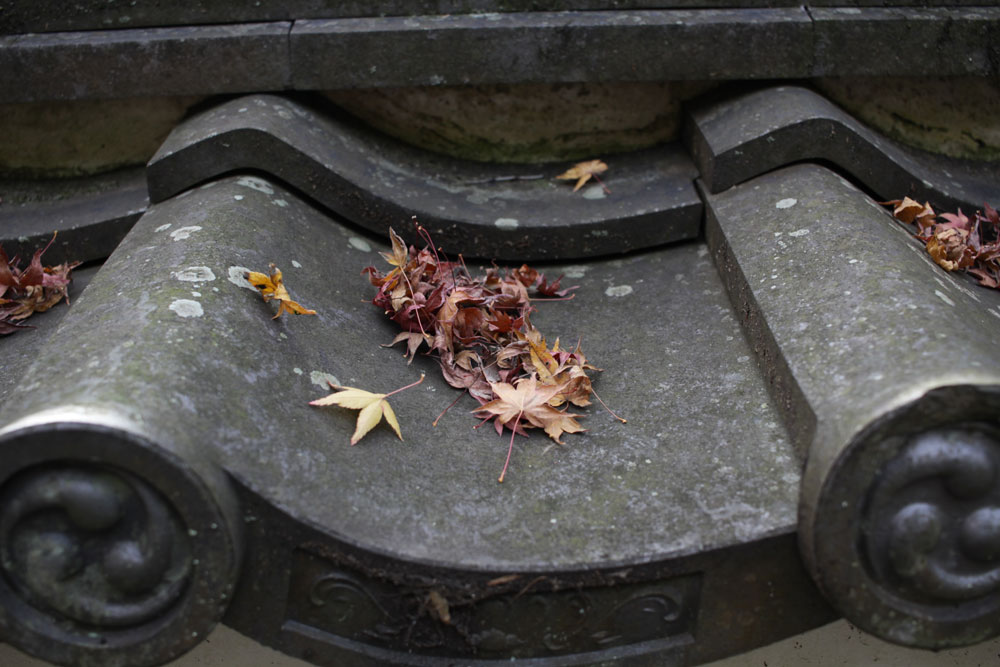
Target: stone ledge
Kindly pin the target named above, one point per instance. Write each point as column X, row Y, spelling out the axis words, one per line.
column 516, row 47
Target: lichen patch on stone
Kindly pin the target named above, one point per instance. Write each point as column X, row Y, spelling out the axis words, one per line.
column 618, row 290
column 187, row 308
column 162, row 228
column 799, row 232
column 255, row 183
column 359, row 244
column 236, row 276
column 321, row 379
column 786, row 203
column 506, row 223
column 182, row 233
column 195, row 274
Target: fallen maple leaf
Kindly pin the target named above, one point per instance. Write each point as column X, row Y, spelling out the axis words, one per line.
column 373, row 407
column 583, row 171
column 33, row 290
column 272, row 287
column 530, row 401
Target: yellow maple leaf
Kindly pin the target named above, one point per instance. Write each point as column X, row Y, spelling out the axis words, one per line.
column 372, row 406
column 272, row 287
column 583, row 171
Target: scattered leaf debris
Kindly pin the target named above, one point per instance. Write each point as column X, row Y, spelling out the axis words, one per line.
column 272, row 287
column 955, row 241
column 24, row 292
column 479, row 330
column 582, row 172
column 372, row 406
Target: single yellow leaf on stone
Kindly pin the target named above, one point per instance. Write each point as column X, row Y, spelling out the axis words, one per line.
column 582, row 171
column 272, row 287
column 367, row 419
column 373, row 407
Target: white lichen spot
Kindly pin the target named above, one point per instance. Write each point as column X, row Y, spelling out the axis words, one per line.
column 944, row 297
column 359, row 244
column 254, row 183
column 594, row 192
column 575, row 271
column 321, row 379
column 162, row 228
column 238, row 197
column 786, row 203
column 599, row 232
column 184, row 232
column 187, row 308
column 241, row 110
column 236, row 276
column 799, row 232
column 296, row 264
column 618, row 290
column 195, row 294
column 297, row 371
column 505, row 223
column 194, row 274
column 279, row 202
column 702, row 251
column 853, row 261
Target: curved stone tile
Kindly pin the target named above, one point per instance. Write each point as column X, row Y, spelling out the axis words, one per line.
column 885, row 369
column 698, row 489
column 494, row 211
column 742, row 137
column 92, row 215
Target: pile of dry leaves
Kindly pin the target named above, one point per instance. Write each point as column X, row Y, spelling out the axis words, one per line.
column 31, row 290
column 479, row 330
column 956, row 241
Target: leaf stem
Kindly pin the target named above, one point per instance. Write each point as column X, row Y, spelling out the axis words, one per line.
column 412, row 384
column 610, row 411
column 513, row 432
column 598, row 179
column 450, row 406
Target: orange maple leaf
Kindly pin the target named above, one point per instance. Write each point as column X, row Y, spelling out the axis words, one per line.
column 272, row 287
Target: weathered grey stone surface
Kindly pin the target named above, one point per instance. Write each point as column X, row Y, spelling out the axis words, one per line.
column 922, row 112
column 91, row 215
column 870, row 348
column 534, row 123
column 23, row 348
column 682, row 498
column 626, row 44
column 558, row 46
column 744, row 136
column 49, row 16
column 480, row 210
column 144, row 62
column 877, row 41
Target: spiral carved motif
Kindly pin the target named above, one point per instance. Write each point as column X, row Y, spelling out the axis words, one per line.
column 92, row 545
column 932, row 526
